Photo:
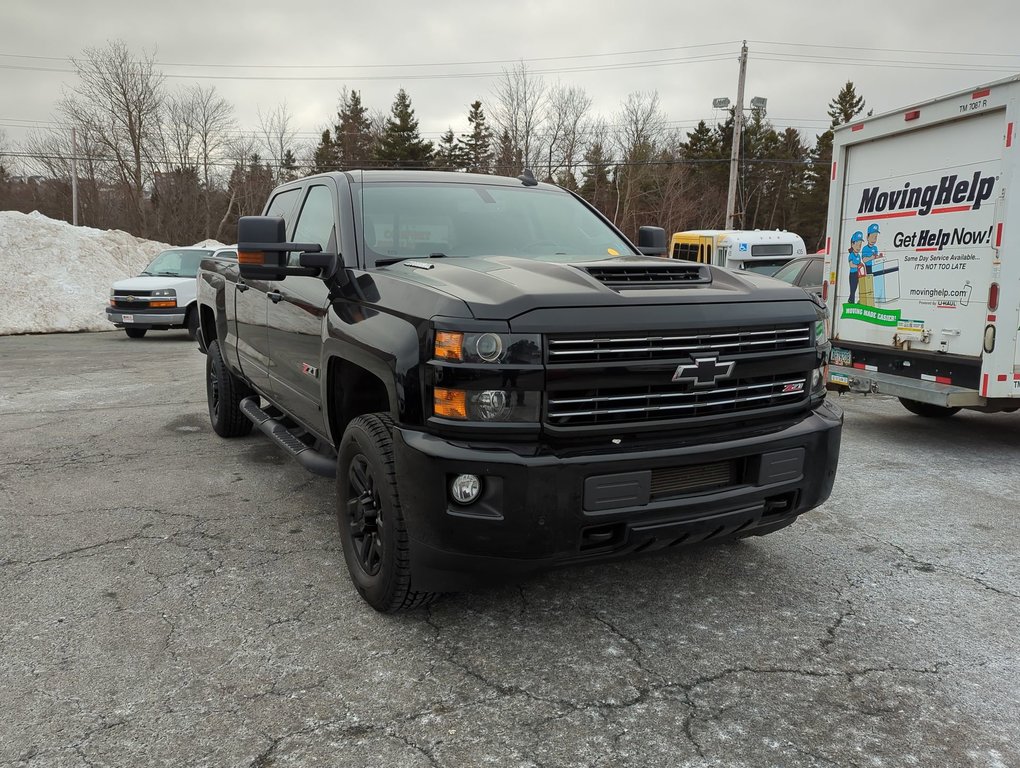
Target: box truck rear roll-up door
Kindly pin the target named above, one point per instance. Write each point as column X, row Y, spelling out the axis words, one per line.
column 915, row 245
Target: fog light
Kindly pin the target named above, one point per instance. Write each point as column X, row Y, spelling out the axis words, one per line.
column 465, row 489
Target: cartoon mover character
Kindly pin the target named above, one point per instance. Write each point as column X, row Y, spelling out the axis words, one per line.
column 857, row 268
column 871, row 255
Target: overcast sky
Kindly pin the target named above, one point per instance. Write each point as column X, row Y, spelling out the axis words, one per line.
column 448, row 53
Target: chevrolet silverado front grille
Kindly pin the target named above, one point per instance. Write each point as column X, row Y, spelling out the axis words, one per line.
column 590, row 349
column 662, row 402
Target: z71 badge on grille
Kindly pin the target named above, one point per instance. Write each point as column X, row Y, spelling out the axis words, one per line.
column 704, row 371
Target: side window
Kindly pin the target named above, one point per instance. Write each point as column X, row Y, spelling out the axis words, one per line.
column 813, row 273
column 315, row 224
column 283, row 205
column 789, row 272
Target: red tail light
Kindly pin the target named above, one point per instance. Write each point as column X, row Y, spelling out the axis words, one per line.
column 825, row 290
column 993, row 297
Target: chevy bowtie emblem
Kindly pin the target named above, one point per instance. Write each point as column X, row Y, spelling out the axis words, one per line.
column 704, row 371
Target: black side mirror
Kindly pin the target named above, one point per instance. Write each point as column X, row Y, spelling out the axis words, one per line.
column 652, row 241
column 262, row 251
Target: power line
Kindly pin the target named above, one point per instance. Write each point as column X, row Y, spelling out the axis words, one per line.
column 410, row 64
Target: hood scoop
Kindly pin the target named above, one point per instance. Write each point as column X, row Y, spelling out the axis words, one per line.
column 651, row 276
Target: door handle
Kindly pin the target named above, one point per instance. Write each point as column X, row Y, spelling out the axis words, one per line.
column 275, row 296
column 242, row 287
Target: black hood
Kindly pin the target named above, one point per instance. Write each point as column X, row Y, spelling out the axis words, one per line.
column 504, row 287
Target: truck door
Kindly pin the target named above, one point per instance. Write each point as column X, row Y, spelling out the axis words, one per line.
column 297, row 308
column 251, row 310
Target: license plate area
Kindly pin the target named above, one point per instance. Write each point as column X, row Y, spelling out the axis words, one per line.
column 840, row 356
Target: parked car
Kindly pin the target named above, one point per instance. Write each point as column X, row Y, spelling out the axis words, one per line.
column 805, row 272
column 163, row 296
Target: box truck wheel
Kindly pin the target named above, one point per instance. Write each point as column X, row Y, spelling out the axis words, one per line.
column 927, row 409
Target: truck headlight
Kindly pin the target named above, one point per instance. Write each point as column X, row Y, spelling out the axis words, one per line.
column 168, row 292
column 492, row 405
column 488, row 347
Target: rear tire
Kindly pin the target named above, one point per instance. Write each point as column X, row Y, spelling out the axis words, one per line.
column 191, row 323
column 928, row 410
column 224, row 393
column 371, row 520
column 135, row 333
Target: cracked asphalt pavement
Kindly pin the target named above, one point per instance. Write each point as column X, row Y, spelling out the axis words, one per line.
column 168, row 598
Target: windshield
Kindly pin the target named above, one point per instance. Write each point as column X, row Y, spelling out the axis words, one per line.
column 763, row 266
column 406, row 220
column 179, row 262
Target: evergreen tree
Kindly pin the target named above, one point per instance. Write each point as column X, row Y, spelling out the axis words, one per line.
column 814, row 204
column 353, row 138
column 478, row 143
column 596, row 186
column 509, row 160
column 450, row 154
column 401, row 146
column 288, row 166
column 326, row 156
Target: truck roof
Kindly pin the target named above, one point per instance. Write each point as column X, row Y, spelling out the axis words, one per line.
column 429, row 176
column 919, row 104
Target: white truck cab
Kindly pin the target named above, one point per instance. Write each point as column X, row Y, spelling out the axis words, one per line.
column 163, row 296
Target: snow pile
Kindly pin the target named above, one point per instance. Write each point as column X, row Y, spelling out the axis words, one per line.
column 57, row 277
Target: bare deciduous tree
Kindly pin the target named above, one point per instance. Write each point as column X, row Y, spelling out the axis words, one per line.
column 116, row 105
column 641, row 127
column 519, row 111
column 278, row 137
column 565, row 132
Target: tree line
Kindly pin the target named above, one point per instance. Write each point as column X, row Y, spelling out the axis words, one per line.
column 173, row 165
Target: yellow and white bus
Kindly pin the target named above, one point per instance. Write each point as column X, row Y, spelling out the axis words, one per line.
column 757, row 250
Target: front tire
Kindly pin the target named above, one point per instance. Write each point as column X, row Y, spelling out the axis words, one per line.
column 372, row 529
column 928, row 410
column 135, row 333
column 224, row 393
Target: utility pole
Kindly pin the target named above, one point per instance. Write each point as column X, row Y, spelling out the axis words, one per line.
column 74, row 177
column 738, row 122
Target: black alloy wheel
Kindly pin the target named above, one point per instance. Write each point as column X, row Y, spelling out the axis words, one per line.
column 224, row 393
column 371, row 519
column 364, row 516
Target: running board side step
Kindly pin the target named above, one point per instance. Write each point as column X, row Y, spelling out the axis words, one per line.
column 307, row 456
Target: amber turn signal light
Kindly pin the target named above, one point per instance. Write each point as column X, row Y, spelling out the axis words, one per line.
column 449, row 345
column 250, row 257
column 450, row 403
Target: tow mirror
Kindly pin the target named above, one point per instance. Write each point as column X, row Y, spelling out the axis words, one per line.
column 262, row 250
column 652, row 241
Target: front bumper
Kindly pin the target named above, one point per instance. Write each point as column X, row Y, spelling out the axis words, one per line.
column 570, row 506
column 158, row 319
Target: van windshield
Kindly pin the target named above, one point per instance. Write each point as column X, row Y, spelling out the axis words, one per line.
column 179, row 262
column 405, row 220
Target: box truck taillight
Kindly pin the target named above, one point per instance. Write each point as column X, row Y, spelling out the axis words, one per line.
column 825, row 290
column 993, row 297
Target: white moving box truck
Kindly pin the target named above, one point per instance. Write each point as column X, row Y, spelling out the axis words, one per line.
column 922, row 259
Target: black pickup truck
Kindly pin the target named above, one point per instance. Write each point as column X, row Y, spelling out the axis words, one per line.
column 501, row 382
